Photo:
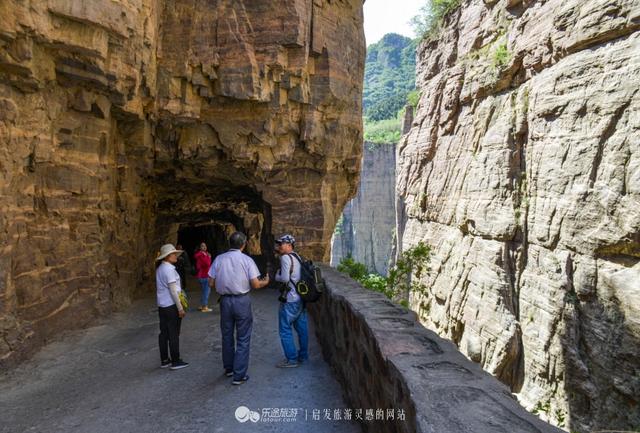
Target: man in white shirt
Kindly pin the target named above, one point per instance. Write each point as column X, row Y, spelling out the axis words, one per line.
column 169, row 307
column 234, row 274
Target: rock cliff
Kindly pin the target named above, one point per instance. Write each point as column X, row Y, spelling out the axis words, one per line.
column 121, row 121
column 522, row 170
column 366, row 228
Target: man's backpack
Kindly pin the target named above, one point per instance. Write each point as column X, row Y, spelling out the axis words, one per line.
column 311, row 284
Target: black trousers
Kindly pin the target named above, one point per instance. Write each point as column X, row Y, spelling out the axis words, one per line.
column 169, row 333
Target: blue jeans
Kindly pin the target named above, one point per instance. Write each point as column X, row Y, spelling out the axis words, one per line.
column 235, row 314
column 293, row 313
column 204, row 298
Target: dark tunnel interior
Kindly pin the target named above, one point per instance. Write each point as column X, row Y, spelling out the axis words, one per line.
column 215, row 229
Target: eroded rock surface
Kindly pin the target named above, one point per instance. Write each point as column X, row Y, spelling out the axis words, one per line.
column 522, row 170
column 122, row 121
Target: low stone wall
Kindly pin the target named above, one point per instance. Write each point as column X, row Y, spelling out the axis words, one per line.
column 385, row 359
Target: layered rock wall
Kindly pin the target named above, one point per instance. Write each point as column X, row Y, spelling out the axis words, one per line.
column 365, row 231
column 122, row 121
column 522, row 171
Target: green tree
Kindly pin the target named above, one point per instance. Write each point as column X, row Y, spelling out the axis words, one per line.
column 413, row 98
column 404, row 277
column 383, row 131
column 429, row 19
column 389, row 76
column 389, row 83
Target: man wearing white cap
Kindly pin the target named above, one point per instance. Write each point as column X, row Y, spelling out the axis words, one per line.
column 170, row 308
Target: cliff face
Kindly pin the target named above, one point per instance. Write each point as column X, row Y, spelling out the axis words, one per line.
column 522, row 170
column 123, row 121
column 366, row 229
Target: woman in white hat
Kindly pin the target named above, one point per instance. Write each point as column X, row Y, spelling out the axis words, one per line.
column 169, row 308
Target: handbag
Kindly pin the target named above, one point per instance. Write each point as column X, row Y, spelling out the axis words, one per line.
column 184, row 301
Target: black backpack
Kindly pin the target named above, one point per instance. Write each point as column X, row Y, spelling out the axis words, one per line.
column 311, row 284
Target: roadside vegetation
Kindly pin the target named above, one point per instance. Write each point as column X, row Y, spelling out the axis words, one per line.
column 404, row 278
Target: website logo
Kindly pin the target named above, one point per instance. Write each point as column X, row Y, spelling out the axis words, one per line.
column 244, row 414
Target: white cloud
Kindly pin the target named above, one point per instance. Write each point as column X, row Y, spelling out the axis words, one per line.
column 385, row 16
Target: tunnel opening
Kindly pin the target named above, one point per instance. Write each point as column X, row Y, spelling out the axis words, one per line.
column 197, row 213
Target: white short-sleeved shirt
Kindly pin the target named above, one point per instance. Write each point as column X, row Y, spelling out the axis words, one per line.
column 232, row 271
column 166, row 274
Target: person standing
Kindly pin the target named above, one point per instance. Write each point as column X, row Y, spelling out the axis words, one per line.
column 170, row 308
column 203, row 263
column 234, row 274
column 292, row 311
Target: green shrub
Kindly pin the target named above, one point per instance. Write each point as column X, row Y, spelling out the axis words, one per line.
column 411, row 265
column 386, row 108
column 542, row 407
column 382, row 131
column 387, row 131
column 355, row 270
column 561, row 417
column 377, row 283
column 413, row 98
column 501, row 56
column 429, row 20
column 403, row 277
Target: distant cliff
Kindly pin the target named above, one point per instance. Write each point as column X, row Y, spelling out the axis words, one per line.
column 366, row 228
column 522, row 171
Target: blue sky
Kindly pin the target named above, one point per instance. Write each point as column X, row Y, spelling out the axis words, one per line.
column 387, row 16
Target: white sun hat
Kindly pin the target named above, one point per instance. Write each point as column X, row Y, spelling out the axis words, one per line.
column 167, row 249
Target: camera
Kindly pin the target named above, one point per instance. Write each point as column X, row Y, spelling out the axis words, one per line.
column 283, row 287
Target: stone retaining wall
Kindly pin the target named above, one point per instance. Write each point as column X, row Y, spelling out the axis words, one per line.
column 386, row 359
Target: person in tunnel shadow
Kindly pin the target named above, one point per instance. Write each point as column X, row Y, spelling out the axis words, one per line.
column 292, row 312
column 234, row 274
column 203, row 263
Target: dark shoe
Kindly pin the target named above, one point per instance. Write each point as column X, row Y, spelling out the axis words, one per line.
column 178, row 365
column 166, row 363
column 228, row 372
column 241, row 381
column 287, row 364
column 302, row 360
